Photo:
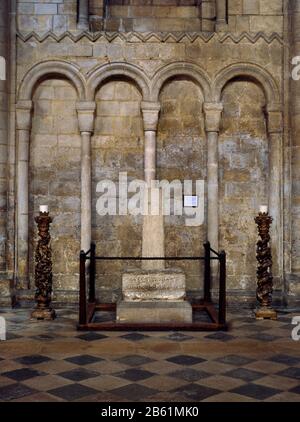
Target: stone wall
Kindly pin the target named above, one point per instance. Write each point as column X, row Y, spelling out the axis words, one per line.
column 117, row 146
column 118, row 142
column 184, row 134
column 50, row 15
column 255, row 16
column 181, row 155
column 243, row 152
column 159, row 15
column 55, row 178
column 294, row 109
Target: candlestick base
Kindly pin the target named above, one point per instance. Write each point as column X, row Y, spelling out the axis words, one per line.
column 266, row 312
column 44, row 313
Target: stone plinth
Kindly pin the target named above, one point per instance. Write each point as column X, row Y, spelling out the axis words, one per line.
column 154, row 297
column 153, row 285
column 154, row 312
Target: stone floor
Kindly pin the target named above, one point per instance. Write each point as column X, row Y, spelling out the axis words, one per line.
column 51, row 361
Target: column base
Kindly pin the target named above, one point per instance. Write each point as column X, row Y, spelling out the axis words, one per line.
column 266, row 313
column 43, row 313
column 154, row 312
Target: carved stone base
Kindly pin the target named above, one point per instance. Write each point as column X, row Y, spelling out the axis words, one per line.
column 154, row 312
column 154, row 296
column 43, row 313
column 152, row 285
column 266, row 313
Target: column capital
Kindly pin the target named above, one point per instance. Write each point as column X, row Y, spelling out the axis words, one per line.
column 150, row 110
column 86, row 115
column 212, row 113
column 24, row 105
column 23, row 114
column 274, row 120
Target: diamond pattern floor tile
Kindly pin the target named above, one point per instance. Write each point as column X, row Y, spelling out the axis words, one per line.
column 255, row 391
column 72, row 392
column 134, row 336
column 14, row 391
column 291, row 372
column 189, row 374
column 285, row 359
column 78, row 374
column 32, row 359
column 133, row 392
column 23, row 374
column 52, row 361
column 185, row 360
column 196, row 392
column 235, row 360
column 134, row 374
column 83, row 359
column 134, row 360
column 244, row 374
column 91, row 336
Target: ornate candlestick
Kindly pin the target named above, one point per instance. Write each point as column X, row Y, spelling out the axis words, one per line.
column 264, row 269
column 43, row 268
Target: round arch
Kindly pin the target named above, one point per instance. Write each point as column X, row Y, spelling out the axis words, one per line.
column 99, row 75
column 248, row 71
column 46, row 70
column 181, row 69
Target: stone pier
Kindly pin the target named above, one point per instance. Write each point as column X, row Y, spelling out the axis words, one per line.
column 154, row 294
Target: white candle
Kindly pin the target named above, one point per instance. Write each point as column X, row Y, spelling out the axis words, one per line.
column 43, row 208
column 263, row 209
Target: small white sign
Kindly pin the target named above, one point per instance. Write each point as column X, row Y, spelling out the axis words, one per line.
column 190, row 201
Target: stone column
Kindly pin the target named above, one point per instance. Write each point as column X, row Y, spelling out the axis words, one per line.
column 212, row 113
column 86, row 117
column 275, row 128
column 4, row 119
column 5, row 263
column 208, row 15
column 221, row 14
column 83, row 14
column 23, row 116
column 153, row 225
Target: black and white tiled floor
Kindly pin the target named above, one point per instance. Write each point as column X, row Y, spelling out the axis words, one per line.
column 51, row 361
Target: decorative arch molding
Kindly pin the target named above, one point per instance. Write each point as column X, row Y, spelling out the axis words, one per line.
column 99, row 75
column 248, row 71
column 47, row 70
column 181, row 69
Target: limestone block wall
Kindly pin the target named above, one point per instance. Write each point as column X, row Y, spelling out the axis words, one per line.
column 294, row 109
column 181, row 155
column 117, row 146
column 255, row 16
column 244, row 169
column 182, row 145
column 54, row 174
column 153, row 16
column 50, row 15
column 218, row 76
column 159, row 15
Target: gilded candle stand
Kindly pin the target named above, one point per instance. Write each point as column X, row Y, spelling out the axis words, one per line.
column 264, row 289
column 43, row 269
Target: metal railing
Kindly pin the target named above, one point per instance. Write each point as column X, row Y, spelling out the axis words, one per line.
column 91, row 258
